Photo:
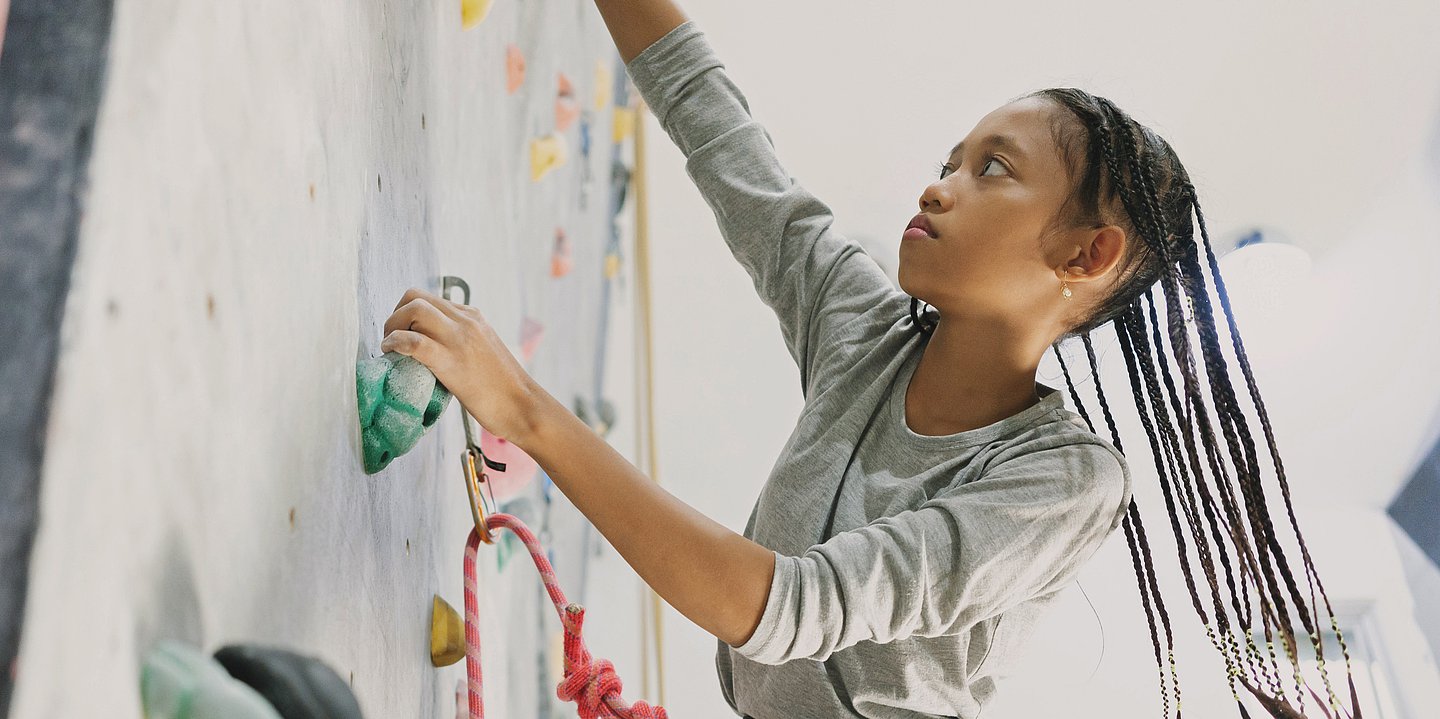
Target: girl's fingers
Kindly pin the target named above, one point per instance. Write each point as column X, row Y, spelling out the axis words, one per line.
column 409, row 296
column 448, row 308
column 419, row 314
column 410, row 344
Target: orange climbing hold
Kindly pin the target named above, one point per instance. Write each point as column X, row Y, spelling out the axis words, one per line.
column 567, row 110
column 560, row 260
column 514, row 69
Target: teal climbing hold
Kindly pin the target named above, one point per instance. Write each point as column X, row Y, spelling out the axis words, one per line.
column 398, row 398
column 179, row 682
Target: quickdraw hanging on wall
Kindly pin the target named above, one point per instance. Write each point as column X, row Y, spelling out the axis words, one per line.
column 589, row 682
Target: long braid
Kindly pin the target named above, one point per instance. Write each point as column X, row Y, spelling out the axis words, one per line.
column 1143, row 561
column 1312, row 576
column 1147, row 216
column 1134, row 528
column 1179, row 335
column 1230, row 407
column 1239, row 600
column 1070, row 384
column 1237, row 432
column 1142, row 356
column 1163, row 455
column 1131, row 525
column 1247, row 554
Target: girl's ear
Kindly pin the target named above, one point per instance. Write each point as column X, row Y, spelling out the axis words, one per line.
column 1106, row 248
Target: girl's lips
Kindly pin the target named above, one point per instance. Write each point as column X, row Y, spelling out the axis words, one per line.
column 922, row 221
column 915, row 233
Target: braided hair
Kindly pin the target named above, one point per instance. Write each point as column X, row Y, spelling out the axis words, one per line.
column 1129, row 176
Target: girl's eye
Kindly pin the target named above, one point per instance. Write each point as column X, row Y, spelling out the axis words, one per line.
column 997, row 162
column 945, row 168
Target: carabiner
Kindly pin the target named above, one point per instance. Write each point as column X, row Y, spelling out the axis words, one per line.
column 474, row 475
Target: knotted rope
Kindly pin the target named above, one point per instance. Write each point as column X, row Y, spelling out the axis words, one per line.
column 592, row 684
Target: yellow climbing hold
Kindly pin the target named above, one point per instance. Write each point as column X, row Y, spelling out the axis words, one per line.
column 602, row 86
column 546, row 153
column 472, row 12
column 447, row 634
column 624, row 123
column 612, row 266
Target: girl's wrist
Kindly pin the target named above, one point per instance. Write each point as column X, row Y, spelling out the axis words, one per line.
column 535, row 412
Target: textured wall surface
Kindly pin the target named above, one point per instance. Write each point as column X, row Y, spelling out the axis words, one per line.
column 267, row 179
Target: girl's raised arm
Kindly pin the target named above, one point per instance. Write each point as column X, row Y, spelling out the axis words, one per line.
column 636, row 24
column 817, row 281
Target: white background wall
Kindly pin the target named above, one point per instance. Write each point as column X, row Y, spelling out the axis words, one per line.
column 1315, row 119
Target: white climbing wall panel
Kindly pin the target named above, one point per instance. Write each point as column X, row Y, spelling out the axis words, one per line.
column 267, row 179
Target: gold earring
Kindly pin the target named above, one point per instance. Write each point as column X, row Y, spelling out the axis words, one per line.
column 1064, row 288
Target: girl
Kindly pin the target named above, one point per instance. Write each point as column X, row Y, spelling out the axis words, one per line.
column 933, row 498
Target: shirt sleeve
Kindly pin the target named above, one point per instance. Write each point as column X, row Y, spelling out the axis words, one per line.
column 812, row 277
column 1024, row 527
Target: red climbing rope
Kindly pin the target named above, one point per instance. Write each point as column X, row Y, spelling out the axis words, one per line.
column 592, row 684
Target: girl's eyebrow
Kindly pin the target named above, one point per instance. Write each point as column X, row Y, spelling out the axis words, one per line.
column 1002, row 142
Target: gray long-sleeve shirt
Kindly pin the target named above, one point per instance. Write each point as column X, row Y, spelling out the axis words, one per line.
column 909, row 568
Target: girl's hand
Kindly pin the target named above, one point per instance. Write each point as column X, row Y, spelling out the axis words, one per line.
column 466, row 355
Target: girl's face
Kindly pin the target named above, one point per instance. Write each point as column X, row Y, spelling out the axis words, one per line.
column 999, row 191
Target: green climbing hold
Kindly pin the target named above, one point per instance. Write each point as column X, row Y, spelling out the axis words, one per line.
column 398, row 398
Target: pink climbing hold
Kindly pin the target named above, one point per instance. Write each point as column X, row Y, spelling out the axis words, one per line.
column 566, row 113
column 530, row 333
column 520, row 468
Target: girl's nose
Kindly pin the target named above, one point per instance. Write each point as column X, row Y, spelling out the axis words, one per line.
column 933, row 200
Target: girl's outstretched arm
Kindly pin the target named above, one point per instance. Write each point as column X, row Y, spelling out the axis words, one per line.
column 718, row 579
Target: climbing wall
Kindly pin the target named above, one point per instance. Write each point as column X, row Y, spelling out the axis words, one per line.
column 266, row 181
